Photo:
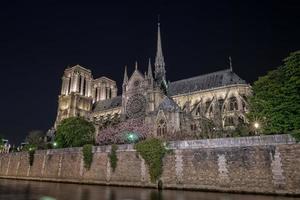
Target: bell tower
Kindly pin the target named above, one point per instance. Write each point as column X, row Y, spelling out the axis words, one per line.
column 76, row 97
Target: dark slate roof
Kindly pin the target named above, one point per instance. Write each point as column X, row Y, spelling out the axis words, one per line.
column 168, row 104
column 204, row 82
column 108, row 104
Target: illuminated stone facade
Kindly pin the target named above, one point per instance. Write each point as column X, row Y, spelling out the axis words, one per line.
column 214, row 101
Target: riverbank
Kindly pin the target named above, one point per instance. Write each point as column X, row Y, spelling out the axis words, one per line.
column 261, row 165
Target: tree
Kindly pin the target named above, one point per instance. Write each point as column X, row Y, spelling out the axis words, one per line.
column 74, row 132
column 35, row 139
column 275, row 103
column 1, row 143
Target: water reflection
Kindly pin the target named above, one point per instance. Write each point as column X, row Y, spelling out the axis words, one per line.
column 25, row 190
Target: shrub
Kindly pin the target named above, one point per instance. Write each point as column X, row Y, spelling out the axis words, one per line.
column 296, row 135
column 35, row 139
column 152, row 151
column 74, row 132
column 87, row 151
column 113, row 157
column 31, row 153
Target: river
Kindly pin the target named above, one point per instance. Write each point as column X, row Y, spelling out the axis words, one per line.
column 32, row 190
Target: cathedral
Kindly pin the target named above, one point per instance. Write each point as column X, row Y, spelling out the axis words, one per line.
column 195, row 106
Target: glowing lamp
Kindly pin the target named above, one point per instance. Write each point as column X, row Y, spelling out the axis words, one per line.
column 256, row 125
column 132, row 137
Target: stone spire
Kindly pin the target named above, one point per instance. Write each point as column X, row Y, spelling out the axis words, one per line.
column 230, row 63
column 125, row 80
column 136, row 65
column 150, row 75
column 159, row 59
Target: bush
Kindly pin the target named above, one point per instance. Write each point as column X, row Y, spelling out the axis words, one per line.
column 35, row 139
column 296, row 135
column 152, row 151
column 74, row 132
column 241, row 130
column 87, row 151
column 113, row 157
column 31, row 153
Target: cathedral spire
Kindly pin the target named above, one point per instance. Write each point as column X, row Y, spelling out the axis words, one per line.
column 160, row 72
column 230, row 63
column 159, row 59
column 125, row 80
column 136, row 65
column 150, row 70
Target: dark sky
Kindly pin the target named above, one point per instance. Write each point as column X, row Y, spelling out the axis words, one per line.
column 38, row 41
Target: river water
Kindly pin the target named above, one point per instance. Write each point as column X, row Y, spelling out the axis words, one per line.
column 25, row 190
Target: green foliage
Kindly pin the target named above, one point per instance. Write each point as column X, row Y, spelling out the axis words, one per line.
column 296, row 135
column 276, row 100
column 152, row 151
column 87, row 151
column 241, row 130
column 113, row 157
column 31, row 153
column 1, row 143
column 35, row 139
column 74, row 132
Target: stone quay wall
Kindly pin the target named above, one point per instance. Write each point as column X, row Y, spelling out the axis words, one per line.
column 260, row 164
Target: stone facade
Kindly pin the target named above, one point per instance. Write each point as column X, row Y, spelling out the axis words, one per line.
column 262, row 164
column 195, row 105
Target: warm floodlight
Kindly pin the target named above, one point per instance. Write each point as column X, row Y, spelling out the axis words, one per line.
column 256, row 125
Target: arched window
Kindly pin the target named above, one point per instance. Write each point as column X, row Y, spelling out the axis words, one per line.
column 193, row 127
column 161, row 128
column 69, row 86
column 233, row 105
column 96, row 94
column 79, row 88
column 241, row 120
column 84, row 85
column 229, row 121
column 220, row 104
column 244, row 106
column 110, row 93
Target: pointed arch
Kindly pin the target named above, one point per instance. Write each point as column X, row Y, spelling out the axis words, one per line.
column 161, row 124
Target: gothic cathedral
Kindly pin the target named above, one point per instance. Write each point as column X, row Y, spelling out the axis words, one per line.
column 198, row 105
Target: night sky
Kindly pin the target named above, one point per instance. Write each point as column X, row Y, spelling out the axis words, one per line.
column 38, row 41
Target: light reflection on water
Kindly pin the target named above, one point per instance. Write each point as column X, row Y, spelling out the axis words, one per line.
column 30, row 190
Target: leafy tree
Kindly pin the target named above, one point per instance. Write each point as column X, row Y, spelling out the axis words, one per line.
column 1, row 141
column 276, row 100
column 35, row 139
column 74, row 132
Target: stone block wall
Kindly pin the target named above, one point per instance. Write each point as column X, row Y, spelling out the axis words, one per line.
column 265, row 164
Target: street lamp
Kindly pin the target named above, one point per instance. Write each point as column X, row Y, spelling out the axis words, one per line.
column 256, row 126
column 132, row 137
column 54, row 144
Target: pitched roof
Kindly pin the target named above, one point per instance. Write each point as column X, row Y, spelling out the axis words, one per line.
column 168, row 104
column 108, row 104
column 204, row 82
